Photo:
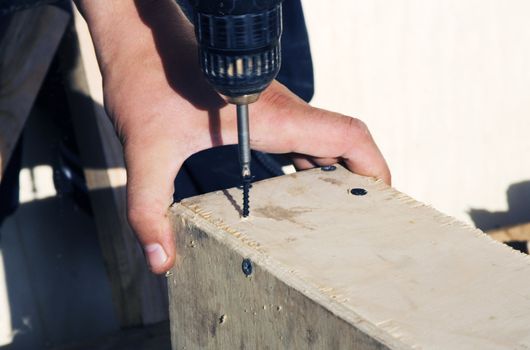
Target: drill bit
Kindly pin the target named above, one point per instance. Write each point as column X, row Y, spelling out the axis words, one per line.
column 243, row 139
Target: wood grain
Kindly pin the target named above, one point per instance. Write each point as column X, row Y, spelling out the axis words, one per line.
column 338, row 271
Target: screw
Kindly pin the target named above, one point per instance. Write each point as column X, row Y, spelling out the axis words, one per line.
column 328, row 168
column 246, row 266
column 358, row 191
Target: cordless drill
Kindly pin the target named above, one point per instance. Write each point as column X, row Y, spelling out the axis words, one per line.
column 239, row 52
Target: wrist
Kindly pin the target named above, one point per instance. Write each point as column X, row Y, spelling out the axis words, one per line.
column 119, row 34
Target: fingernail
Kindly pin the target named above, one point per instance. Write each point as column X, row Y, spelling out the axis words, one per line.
column 155, row 255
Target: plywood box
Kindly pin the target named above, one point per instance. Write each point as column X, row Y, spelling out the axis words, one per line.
column 333, row 270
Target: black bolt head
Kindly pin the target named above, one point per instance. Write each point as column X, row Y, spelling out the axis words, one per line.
column 246, row 266
column 328, row 168
column 359, row 192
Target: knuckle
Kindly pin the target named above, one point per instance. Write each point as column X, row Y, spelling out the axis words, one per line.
column 282, row 102
column 357, row 127
column 277, row 99
column 357, row 132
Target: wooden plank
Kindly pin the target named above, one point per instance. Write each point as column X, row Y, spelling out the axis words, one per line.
column 332, row 270
column 513, row 233
column 516, row 236
column 27, row 45
column 140, row 296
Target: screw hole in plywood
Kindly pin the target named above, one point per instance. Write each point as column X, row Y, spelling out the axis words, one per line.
column 358, row 191
column 246, row 266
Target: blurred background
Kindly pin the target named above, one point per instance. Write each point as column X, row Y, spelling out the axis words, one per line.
column 444, row 87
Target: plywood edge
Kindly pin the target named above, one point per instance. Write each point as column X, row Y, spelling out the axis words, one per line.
column 190, row 213
column 187, row 216
column 496, row 237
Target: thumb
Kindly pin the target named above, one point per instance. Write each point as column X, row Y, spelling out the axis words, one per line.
column 151, row 170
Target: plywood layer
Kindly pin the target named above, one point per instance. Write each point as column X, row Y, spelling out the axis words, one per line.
column 336, row 270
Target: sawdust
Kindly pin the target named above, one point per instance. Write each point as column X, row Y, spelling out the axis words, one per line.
column 281, row 214
column 331, row 181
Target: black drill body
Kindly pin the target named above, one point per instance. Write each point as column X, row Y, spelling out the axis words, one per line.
column 239, row 52
column 239, row 44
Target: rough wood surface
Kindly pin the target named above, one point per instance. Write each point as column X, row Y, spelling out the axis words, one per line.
column 140, row 296
column 338, row 271
column 28, row 41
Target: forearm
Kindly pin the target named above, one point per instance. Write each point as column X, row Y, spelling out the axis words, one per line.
column 121, row 29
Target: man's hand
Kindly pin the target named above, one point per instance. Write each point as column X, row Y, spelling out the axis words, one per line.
column 165, row 111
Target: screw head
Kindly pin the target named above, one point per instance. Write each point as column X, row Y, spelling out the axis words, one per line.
column 358, row 191
column 328, row 168
column 246, row 266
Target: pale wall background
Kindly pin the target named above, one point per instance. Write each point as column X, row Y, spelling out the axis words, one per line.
column 444, row 86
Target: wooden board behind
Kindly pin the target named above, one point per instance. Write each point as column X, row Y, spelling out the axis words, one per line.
column 27, row 46
column 513, row 233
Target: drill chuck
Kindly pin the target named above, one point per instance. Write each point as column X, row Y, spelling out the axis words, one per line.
column 239, row 45
column 239, row 52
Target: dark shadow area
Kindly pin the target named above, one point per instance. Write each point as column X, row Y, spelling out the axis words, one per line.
column 57, row 286
column 521, row 246
column 217, row 169
column 518, row 197
column 152, row 337
column 233, row 202
column 9, row 184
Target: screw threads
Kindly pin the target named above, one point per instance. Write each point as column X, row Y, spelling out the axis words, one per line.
column 246, row 200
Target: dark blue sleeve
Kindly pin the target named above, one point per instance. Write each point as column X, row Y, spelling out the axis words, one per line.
column 10, row 6
column 296, row 71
